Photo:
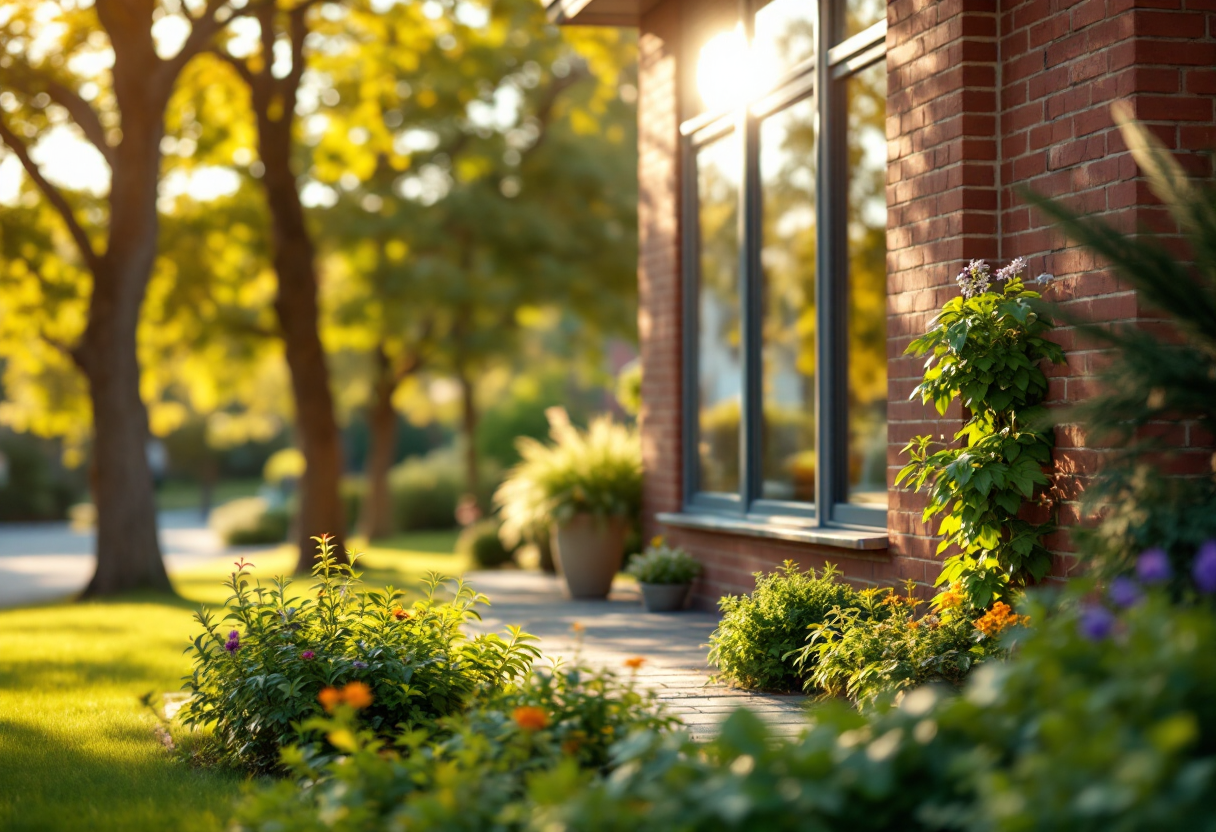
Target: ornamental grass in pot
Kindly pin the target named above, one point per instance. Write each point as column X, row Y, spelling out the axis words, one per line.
column 586, row 487
column 665, row 575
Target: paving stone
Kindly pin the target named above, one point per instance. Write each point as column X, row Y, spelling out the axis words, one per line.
column 674, row 646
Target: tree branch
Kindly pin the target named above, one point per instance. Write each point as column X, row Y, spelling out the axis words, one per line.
column 239, row 65
column 81, row 111
column 53, row 195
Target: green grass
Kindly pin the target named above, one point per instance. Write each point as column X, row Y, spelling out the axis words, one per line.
column 77, row 749
column 179, row 494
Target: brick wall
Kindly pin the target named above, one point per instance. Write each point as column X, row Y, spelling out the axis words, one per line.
column 984, row 97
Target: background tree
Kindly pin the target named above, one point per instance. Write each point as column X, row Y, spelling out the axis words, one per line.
column 102, row 72
column 479, row 171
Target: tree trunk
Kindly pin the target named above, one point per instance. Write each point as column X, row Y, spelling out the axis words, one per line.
column 376, row 515
column 294, row 257
column 468, row 426
column 128, row 552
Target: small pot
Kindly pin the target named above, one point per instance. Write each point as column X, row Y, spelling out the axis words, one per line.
column 589, row 550
column 664, row 597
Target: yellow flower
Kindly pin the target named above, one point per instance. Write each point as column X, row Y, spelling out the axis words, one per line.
column 913, row 624
column 998, row 619
column 400, row 614
column 657, row 541
column 530, row 718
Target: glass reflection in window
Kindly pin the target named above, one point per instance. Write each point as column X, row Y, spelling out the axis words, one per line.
column 867, row 305
column 719, row 361
column 784, row 37
column 787, row 182
column 860, row 15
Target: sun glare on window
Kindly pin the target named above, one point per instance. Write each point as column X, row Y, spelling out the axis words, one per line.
column 729, row 74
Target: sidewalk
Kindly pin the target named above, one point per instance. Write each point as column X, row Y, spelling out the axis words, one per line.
column 674, row 645
column 48, row 561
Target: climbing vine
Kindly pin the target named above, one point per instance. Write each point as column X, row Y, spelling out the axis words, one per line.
column 985, row 349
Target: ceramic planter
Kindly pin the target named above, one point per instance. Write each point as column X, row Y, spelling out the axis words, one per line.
column 664, row 597
column 589, row 551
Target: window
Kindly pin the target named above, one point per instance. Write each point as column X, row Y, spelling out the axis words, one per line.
column 786, row 350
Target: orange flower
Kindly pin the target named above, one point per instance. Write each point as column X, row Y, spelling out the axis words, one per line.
column 913, row 624
column 400, row 614
column 577, row 627
column 998, row 619
column 574, row 742
column 357, row 695
column 530, row 718
column 329, row 698
column 635, row 663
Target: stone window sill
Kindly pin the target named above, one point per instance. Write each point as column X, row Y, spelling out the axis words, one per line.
column 872, row 544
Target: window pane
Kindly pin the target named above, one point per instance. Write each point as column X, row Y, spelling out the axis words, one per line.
column 784, row 37
column 719, row 361
column 787, row 181
column 867, row 230
column 860, row 15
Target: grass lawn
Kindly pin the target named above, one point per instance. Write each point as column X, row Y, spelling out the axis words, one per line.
column 177, row 494
column 77, row 749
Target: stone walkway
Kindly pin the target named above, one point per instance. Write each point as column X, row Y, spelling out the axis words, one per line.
column 674, row 646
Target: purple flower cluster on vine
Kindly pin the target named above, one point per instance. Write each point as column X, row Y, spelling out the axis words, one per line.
column 234, row 642
column 977, row 278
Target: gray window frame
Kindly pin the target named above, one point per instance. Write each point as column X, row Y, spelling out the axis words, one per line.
column 836, row 62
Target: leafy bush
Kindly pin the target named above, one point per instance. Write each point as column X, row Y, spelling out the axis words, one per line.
column 885, row 647
column 35, row 488
column 258, row 681
column 1101, row 722
column 249, row 521
column 985, row 349
column 663, row 564
column 596, row 471
column 1160, row 377
column 482, row 543
column 470, row 772
column 425, row 490
column 752, row 644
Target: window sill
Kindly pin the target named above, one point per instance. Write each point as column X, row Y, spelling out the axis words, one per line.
column 862, row 543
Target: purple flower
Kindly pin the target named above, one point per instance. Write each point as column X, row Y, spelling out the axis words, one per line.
column 1125, row 592
column 1153, row 567
column 1012, row 270
column 308, row 655
column 1204, row 568
column 234, row 642
column 974, row 279
column 358, row 665
column 1096, row 622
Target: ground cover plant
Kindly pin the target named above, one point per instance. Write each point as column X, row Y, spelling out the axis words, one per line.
column 753, row 643
column 257, row 680
column 467, row 772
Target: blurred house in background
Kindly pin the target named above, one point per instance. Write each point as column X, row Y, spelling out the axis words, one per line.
column 813, row 175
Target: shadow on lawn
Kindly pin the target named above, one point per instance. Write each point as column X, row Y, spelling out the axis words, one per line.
column 116, row 779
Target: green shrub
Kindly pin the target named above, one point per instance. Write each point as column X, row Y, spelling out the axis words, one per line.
column 249, row 521
column 662, row 564
column 469, row 772
column 35, row 489
column 596, row 471
column 884, row 647
column 482, row 543
column 752, row 644
column 1101, row 722
column 425, row 490
column 257, row 681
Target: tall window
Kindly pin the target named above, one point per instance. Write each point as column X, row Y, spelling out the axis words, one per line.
column 786, row 266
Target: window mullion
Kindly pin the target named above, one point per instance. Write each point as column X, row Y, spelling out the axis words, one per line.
column 751, row 290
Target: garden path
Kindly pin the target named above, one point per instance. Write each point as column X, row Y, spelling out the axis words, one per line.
column 674, row 645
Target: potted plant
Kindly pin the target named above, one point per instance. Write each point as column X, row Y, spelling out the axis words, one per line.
column 586, row 486
column 665, row 575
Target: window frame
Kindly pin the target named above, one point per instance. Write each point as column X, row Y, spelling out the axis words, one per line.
column 836, row 62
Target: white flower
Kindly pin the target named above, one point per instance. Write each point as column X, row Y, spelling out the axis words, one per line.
column 1013, row 270
column 975, row 279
